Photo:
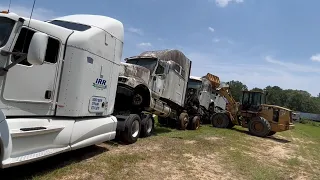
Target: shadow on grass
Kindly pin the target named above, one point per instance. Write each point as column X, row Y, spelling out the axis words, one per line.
column 161, row 130
column 44, row 166
column 269, row 137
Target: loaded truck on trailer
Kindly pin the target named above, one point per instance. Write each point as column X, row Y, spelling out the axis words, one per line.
column 156, row 82
column 58, row 82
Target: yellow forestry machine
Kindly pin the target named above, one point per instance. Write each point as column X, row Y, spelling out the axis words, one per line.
column 252, row 112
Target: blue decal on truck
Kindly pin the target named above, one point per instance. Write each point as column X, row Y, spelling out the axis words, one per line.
column 100, row 84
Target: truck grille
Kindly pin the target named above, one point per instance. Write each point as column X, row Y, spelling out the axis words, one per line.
column 122, row 79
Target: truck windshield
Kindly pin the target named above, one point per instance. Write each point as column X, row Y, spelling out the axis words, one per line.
column 148, row 63
column 70, row 25
column 6, row 26
column 194, row 84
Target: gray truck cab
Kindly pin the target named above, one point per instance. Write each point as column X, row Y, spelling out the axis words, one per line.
column 155, row 81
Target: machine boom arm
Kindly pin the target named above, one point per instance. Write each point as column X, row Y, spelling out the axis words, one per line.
column 223, row 90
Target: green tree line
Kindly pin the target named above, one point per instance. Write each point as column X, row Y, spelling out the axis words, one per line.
column 297, row 100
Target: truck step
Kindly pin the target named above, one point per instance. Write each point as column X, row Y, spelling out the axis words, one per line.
column 23, row 132
column 34, row 156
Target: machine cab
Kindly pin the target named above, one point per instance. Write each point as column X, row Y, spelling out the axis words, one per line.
column 252, row 100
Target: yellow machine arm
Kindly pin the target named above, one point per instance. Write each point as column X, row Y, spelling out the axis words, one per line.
column 224, row 91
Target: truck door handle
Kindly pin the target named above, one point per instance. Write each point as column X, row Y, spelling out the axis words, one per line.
column 48, row 94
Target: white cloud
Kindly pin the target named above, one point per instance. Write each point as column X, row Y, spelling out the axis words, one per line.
column 315, row 57
column 38, row 12
column 144, row 45
column 225, row 3
column 136, row 31
column 257, row 72
column 210, row 29
column 216, row 40
column 224, row 40
column 292, row 66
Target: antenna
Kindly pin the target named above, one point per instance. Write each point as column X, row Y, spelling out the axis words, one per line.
column 9, row 6
column 25, row 37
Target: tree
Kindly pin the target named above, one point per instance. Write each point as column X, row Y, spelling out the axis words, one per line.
column 297, row 100
column 236, row 88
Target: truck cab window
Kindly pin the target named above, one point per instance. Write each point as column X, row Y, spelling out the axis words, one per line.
column 23, row 42
column 6, row 26
column 176, row 67
column 160, row 69
column 70, row 25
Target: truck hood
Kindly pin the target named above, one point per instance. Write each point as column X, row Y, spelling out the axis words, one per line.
column 135, row 71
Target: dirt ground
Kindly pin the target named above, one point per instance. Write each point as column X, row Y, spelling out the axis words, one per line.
column 208, row 153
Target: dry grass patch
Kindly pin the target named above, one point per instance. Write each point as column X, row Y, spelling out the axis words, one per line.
column 207, row 153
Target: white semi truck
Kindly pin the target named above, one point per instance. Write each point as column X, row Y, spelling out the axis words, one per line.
column 58, row 82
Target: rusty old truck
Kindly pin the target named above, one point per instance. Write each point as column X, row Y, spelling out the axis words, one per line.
column 156, row 82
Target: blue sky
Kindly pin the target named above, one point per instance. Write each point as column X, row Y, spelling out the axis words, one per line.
column 258, row 42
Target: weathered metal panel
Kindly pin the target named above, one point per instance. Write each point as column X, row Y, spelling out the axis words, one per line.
column 173, row 55
column 137, row 73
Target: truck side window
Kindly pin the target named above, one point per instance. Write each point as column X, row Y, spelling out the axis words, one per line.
column 183, row 73
column 23, row 43
column 176, row 68
column 160, row 69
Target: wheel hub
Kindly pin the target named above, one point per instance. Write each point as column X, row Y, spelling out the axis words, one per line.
column 197, row 123
column 135, row 128
column 149, row 129
column 137, row 99
column 219, row 121
column 258, row 127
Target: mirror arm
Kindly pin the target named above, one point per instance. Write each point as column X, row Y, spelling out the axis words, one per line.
column 7, row 53
column 4, row 70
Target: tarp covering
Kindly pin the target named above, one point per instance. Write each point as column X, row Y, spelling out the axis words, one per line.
column 170, row 54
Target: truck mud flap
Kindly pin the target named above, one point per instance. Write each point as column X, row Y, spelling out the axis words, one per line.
column 121, row 122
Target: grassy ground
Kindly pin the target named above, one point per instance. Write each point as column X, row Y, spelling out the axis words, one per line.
column 207, row 153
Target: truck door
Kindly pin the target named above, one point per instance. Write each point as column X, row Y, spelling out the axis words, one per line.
column 205, row 95
column 159, row 80
column 35, row 84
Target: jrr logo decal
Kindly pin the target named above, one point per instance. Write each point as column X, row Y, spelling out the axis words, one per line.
column 100, row 84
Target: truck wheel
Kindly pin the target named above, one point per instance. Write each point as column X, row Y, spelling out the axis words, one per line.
column 147, row 126
column 259, row 126
column 132, row 129
column 220, row 120
column 137, row 99
column 183, row 121
column 195, row 123
column 231, row 125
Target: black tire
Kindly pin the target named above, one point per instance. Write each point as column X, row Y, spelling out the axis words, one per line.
column 220, row 120
column 259, row 126
column 271, row 133
column 231, row 125
column 147, row 126
column 183, row 121
column 130, row 135
column 194, row 123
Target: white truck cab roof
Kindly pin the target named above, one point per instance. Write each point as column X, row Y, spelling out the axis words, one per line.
column 108, row 24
